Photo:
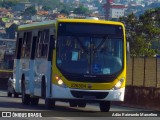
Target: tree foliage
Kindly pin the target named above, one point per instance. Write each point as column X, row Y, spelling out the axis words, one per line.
column 30, row 11
column 65, row 11
column 143, row 32
column 81, row 10
column 66, row 8
column 46, row 8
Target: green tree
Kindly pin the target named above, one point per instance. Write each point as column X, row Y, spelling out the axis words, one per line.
column 65, row 11
column 151, row 28
column 81, row 10
column 30, row 11
column 46, row 8
column 130, row 22
column 66, row 8
column 142, row 32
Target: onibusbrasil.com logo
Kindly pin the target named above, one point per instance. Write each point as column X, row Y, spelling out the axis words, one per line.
column 21, row 114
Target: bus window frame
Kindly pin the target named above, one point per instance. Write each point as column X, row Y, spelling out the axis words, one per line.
column 34, row 44
column 42, row 44
column 51, row 47
column 26, row 43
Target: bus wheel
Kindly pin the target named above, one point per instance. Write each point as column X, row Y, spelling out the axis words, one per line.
column 105, row 106
column 25, row 97
column 34, row 101
column 73, row 104
column 9, row 94
column 49, row 103
column 83, row 104
column 43, row 89
column 16, row 95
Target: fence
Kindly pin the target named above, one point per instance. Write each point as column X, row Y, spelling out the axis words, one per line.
column 143, row 83
column 143, row 72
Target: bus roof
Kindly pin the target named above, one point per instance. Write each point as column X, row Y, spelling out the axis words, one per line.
column 52, row 22
column 90, row 21
column 35, row 25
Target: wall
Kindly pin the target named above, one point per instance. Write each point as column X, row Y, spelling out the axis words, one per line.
column 143, row 84
column 143, row 72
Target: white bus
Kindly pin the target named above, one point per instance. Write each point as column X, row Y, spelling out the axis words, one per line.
column 72, row 60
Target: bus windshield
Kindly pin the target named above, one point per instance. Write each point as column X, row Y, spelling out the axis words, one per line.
column 89, row 54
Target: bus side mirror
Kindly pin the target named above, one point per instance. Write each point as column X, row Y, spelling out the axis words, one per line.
column 128, row 51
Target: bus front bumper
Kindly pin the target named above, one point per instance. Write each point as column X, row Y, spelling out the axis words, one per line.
column 67, row 93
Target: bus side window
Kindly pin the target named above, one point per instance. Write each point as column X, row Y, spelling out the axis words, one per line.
column 34, row 44
column 26, row 45
column 23, row 45
column 43, row 44
column 38, row 47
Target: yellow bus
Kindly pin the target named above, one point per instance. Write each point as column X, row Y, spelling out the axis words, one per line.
column 78, row 61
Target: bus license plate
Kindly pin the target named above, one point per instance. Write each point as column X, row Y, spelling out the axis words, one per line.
column 89, row 97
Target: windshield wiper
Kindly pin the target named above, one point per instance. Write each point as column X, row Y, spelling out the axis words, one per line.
column 100, row 44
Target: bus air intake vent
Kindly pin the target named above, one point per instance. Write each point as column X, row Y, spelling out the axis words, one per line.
column 82, row 94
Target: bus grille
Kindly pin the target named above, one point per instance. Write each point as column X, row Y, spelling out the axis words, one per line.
column 82, row 94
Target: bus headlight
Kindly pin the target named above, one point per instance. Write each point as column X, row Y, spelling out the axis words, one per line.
column 118, row 84
column 59, row 81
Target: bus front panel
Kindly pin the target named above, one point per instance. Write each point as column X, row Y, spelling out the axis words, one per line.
column 89, row 61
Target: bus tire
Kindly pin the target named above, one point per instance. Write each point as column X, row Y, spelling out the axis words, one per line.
column 25, row 97
column 73, row 104
column 49, row 103
column 105, row 106
column 43, row 88
column 83, row 104
column 9, row 94
column 34, row 101
column 16, row 95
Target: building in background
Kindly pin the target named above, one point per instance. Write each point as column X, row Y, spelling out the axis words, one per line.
column 113, row 10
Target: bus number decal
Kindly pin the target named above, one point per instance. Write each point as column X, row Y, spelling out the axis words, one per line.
column 74, row 85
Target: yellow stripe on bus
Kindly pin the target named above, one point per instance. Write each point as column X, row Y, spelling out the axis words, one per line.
column 6, row 70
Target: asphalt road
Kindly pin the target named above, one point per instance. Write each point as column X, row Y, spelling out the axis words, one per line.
column 62, row 111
